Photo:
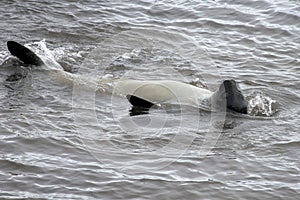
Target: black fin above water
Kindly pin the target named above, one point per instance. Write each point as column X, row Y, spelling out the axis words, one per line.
column 23, row 53
column 139, row 102
column 139, row 106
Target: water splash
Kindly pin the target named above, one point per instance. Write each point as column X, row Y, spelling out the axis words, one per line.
column 40, row 48
column 261, row 105
column 66, row 57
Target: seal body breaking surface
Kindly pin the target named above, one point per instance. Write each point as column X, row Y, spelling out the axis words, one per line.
column 160, row 91
column 153, row 92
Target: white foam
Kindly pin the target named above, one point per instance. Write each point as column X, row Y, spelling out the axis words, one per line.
column 261, row 105
column 47, row 56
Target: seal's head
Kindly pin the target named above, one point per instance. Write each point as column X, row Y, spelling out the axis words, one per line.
column 234, row 98
column 228, row 92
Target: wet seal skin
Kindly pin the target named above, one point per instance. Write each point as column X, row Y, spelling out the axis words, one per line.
column 228, row 91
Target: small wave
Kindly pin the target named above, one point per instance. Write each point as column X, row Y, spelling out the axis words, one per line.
column 261, row 105
column 4, row 56
column 59, row 58
column 41, row 49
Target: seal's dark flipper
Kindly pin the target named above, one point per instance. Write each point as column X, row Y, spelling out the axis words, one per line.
column 139, row 102
column 139, row 106
column 23, row 53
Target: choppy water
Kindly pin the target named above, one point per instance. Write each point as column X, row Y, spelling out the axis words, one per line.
column 63, row 140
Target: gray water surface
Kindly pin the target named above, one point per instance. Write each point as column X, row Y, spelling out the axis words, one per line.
column 63, row 139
